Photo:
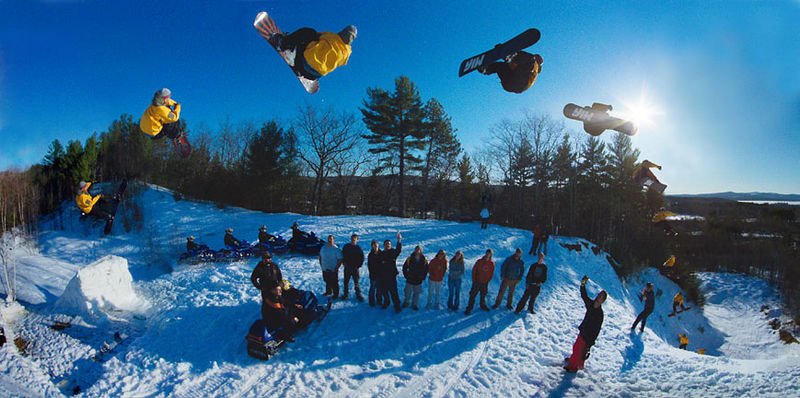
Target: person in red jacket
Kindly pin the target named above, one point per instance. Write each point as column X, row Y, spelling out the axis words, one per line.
column 436, row 270
column 482, row 273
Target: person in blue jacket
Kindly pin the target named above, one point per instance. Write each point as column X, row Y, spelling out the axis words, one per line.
column 511, row 273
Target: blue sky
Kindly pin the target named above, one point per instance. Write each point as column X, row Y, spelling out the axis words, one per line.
column 722, row 74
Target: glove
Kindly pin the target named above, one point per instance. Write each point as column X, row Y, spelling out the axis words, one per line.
column 586, row 354
column 584, row 280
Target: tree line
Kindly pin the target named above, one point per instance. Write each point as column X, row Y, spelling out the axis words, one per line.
column 398, row 155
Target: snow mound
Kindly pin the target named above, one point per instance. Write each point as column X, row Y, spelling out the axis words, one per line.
column 101, row 287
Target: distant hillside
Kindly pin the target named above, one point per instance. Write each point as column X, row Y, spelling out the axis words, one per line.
column 750, row 196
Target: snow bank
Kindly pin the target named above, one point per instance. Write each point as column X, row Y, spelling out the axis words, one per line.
column 103, row 286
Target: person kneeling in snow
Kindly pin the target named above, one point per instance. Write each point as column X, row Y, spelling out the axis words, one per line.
column 275, row 314
column 96, row 206
column 589, row 328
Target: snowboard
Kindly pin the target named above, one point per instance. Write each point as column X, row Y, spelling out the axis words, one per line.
column 117, row 199
column 518, row 43
column 182, row 146
column 108, row 347
column 678, row 312
column 267, row 28
column 596, row 119
column 655, row 186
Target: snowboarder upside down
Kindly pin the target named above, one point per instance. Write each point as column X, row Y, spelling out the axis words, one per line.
column 317, row 53
column 518, row 72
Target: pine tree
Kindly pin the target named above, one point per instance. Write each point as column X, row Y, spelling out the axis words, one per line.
column 396, row 121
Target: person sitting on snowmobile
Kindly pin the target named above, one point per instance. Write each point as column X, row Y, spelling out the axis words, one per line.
column 96, row 206
column 275, row 314
column 161, row 117
column 317, row 53
column 230, row 241
column 517, row 72
column 589, row 328
column 193, row 247
column 263, row 236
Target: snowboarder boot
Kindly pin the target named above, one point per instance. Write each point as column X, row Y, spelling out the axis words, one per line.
column 485, row 308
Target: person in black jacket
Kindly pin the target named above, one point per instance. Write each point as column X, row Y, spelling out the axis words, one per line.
column 589, row 328
column 231, row 240
column 373, row 263
column 266, row 275
column 264, row 236
column 415, row 269
column 280, row 323
column 353, row 258
column 387, row 273
column 537, row 274
column 649, row 303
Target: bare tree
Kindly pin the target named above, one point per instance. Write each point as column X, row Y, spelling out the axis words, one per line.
column 325, row 138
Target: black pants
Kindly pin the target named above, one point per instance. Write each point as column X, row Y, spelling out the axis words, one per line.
column 102, row 209
column 529, row 297
column 534, row 246
column 352, row 272
column 515, row 80
column 331, row 282
column 484, row 223
column 389, row 289
column 298, row 40
column 483, row 289
column 169, row 130
column 643, row 318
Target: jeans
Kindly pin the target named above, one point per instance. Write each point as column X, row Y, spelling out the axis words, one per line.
column 434, row 287
column 410, row 290
column 374, row 292
column 331, row 282
column 389, row 289
column 454, row 293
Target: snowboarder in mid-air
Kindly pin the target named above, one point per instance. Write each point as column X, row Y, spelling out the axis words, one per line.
column 643, row 176
column 316, row 53
column 649, row 298
column 95, row 206
column 589, row 328
column 517, row 71
column 161, row 119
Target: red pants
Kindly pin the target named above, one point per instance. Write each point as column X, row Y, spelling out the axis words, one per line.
column 575, row 362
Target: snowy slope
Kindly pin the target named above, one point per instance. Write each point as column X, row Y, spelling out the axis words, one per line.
column 190, row 342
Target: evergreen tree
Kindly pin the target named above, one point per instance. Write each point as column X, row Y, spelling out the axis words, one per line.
column 396, row 122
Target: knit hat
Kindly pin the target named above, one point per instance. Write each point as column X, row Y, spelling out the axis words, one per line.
column 160, row 96
column 348, row 34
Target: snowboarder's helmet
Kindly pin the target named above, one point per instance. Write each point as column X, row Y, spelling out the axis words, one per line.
column 190, row 238
column 263, row 228
column 229, row 231
column 82, row 185
column 348, row 34
column 165, row 92
column 538, row 59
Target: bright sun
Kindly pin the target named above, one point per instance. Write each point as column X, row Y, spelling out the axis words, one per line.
column 641, row 111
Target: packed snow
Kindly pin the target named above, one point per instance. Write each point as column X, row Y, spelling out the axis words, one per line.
column 187, row 322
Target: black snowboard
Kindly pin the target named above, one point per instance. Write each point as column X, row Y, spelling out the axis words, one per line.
column 596, row 119
column 678, row 312
column 518, row 43
column 115, row 206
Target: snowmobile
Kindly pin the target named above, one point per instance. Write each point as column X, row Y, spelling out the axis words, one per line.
column 276, row 245
column 262, row 343
column 307, row 244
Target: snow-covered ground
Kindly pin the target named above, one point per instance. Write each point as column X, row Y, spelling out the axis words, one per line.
column 187, row 329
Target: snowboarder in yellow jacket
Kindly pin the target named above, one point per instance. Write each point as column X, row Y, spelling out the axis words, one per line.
column 91, row 205
column 677, row 301
column 161, row 117
column 660, row 220
column 683, row 340
column 318, row 53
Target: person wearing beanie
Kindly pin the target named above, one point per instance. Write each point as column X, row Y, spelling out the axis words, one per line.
column 517, row 72
column 589, row 328
column 322, row 52
column 96, row 206
column 161, row 117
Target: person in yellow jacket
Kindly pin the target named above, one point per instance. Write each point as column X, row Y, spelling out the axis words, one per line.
column 518, row 72
column 683, row 340
column 670, row 261
column 318, row 53
column 660, row 220
column 677, row 301
column 92, row 205
column 161, row 117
